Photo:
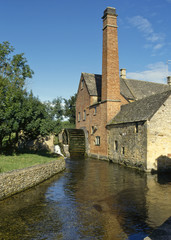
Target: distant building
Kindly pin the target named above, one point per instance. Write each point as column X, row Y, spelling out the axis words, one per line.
column 127, row 121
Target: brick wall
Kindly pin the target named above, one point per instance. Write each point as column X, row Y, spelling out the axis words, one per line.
column 110, row 63
column 82, row 104
column 111, row 98
column 22, row 179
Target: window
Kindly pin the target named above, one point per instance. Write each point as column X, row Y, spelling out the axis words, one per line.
column 84, row 115
column 136, row 127
column 97, row 141
column 95, row 111
column 79, row 117
column 116, row 146
column 123, row 150
column 93, row 129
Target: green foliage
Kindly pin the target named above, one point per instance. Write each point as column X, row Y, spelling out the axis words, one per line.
column 69, row 109
column 24, row 117
column 14, row 68
column 55, row 113
column 14, row 71
column 67, row 124
column 56, row 140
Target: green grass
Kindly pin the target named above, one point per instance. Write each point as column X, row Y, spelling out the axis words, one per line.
column 8, row 163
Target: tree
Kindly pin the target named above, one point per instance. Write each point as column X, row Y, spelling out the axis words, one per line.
column 14, row 71
column 14, row 68
column 55, row 111
column 69, row 108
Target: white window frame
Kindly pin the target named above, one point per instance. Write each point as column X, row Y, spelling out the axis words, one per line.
column 97, row 140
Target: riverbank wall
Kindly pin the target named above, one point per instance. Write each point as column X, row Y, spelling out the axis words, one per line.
column 19, row 180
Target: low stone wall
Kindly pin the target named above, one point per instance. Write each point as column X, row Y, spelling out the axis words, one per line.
column 19, row 180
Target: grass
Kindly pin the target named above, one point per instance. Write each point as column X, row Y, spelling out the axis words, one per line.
column 9, row 163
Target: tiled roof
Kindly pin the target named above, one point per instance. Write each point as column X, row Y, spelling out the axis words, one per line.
column 140, row 110
column 130, row 89
column 93, row 82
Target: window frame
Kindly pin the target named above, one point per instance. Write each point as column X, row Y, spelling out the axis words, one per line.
column 97, row 141
column 84, row 115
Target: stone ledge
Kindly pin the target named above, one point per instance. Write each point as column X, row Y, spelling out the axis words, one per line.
column 19, row 180
column 98, row 156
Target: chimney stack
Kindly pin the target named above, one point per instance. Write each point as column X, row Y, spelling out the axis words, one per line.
column 110, row 61
column 169, row 80
column 123, row 73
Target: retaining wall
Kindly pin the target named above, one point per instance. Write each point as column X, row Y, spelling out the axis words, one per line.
column 19, row 180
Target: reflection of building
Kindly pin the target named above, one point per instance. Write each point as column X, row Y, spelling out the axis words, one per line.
column 112, row 200
column 99, row 100
column 158, row 200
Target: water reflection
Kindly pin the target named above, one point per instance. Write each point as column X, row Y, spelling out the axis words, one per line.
column 91, row 200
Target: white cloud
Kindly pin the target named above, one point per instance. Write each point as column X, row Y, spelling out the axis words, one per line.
column 158, row 46
column 145, row 27
column 156, row 72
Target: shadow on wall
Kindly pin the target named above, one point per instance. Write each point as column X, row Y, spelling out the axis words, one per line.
column 164, row 163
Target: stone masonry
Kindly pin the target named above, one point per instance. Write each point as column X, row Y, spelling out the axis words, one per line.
column 19, row 180
column 127, row 146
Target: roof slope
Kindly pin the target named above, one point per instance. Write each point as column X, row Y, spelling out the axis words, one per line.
column 141, row 89
column 93, row 82
column 140, row 110
column 130, row 89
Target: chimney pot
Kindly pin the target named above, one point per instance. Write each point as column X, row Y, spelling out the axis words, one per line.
column 109, row 11
column 123, row 73
column 169, row 80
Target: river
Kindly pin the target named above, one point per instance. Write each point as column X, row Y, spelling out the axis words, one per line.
column 91, row 199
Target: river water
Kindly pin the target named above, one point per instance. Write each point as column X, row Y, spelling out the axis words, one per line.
column 91, row 199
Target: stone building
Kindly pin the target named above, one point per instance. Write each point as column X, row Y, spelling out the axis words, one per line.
column 100, row 97
column 140, row 134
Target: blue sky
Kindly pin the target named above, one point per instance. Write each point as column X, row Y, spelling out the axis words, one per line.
column 62, row 38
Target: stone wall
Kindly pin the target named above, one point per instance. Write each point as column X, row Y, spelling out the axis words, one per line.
column 19, row 180
column 128, row 144
column 159, row 139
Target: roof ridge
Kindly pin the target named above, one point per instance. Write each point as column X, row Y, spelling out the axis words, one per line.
column 92, row 73
column 144, row 81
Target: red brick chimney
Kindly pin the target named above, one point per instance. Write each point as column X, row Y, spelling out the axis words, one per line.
column 110, row 64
